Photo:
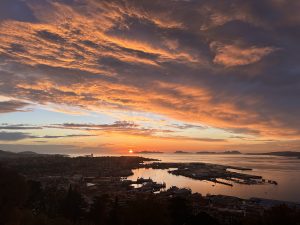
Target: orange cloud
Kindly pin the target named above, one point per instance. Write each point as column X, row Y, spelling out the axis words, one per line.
column 232, row 55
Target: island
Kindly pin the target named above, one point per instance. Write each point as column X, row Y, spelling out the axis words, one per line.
column 286, row 154
column 182, row 152
column 149, row 152
column 282, row 153
column 234, row 152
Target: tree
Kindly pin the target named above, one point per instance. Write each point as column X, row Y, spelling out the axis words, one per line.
column 180, row 210
column 202, row 218
column 145, row 211
column 99, row 212
column 13, row 193
column 73, row 205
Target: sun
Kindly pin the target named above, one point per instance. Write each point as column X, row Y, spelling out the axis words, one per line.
column 130, row 151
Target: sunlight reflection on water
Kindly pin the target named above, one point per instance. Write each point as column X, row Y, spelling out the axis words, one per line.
column 286, row 171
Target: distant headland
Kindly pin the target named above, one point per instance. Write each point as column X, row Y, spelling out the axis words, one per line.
column 225, row 152
column 283, row 153
column 182, row 152
column 209, row 153
column 149, row 152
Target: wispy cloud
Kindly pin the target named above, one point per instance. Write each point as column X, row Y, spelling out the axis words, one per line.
column 118, row 125
column 130, row 128
column 19, row 127
column 232, row 55
column 12, row 106
column 16, row 136
column 124, row 127
column 187, row 126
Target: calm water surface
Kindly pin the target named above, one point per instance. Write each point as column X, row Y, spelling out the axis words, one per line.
column 286, row 171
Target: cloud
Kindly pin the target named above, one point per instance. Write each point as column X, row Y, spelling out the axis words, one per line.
column 52, row 37
column 124, row 127
column 13, row 136
column 54, row 148
column 12, row 106
column 186, row 138
column 130, row 128
column 16, row 10
column 118, row 125
column 217, row 64
column 16, row 136
column 65, row 136
column 231, row 55
column 244, row 130
column 187, row 126
column 19, row 127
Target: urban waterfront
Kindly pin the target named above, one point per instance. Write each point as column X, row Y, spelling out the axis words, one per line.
column 92, row 189
column 284, row 170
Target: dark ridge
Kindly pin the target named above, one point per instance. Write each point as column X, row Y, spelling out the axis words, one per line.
column 149, row 152
column 181, row 152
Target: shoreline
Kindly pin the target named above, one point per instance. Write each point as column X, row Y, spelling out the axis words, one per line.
column 215, row 172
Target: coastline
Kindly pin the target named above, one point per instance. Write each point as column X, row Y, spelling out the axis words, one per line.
column 217, row 185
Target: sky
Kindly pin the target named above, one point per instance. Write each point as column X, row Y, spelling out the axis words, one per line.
column 82, row 76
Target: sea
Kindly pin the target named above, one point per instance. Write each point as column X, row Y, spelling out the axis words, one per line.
column 284, row 170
